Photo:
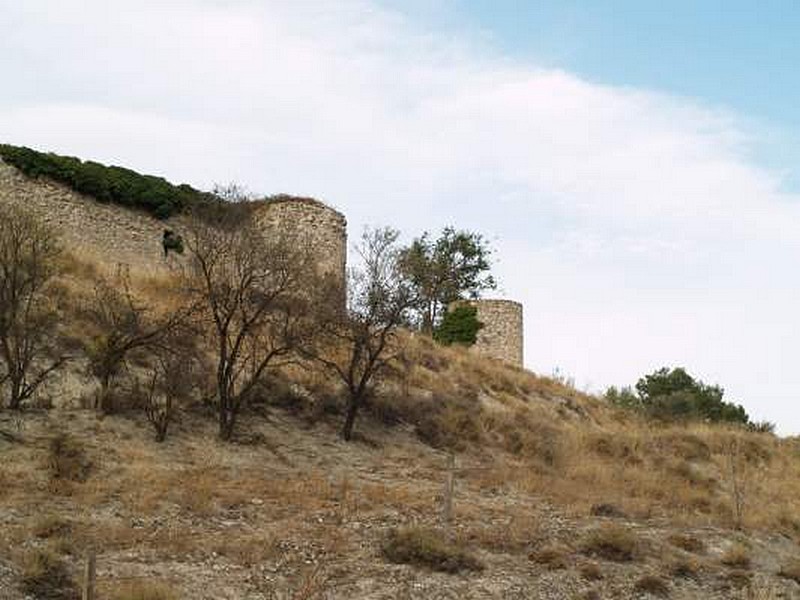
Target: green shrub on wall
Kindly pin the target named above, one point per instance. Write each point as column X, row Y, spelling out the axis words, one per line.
column 107, row 184
column 459, row 326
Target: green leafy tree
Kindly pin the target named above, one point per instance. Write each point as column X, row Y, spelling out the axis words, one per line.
column 451, row 267
column 623, row 397
column 674, row 394
column 459, row 325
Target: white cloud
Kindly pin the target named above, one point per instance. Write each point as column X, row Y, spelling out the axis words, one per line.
column 634, row 225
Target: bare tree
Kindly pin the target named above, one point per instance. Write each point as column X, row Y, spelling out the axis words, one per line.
column 126, row 326
column 29, row 253
column 255, row 292
column 233, row 192
column 171, row 381
column 360, row 343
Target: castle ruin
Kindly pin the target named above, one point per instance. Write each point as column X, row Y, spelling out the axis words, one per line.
column 501, row 336
column 116, row 234
column 311, row 222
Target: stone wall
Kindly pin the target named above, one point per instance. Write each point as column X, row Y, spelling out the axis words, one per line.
column 104, row 231
column 311, row 222
column 115, row 234
column 501, row 336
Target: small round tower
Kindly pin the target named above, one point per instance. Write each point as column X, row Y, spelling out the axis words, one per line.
column 310, row 222
column 501, row 336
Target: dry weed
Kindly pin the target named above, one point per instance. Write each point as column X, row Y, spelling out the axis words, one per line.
column 612, row 542
column 737, row 556
column 46, row 576
column 652, row 584
column 687, row 542
column 428, row 548
column 554, row 556
column 67, row 460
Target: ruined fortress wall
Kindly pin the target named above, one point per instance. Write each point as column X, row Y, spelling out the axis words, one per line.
column 309, row 222
column 501, row 336
column 103, row 231
column 115, row 234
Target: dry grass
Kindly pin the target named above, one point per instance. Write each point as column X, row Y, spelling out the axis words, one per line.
column 67, row 460
column 554, row 556
column 45, row 576
column 736, row 556
column 143, row 590
column 51, row 526
column 762, row 591
column 541, row 439
column 548, row 439
column 428, row 548
column 644, row 471
column 687, row 542
column 591, row 571
column 739, row 579
column 612, row 542
column 685, row 568
column 791, row 570
column 652, row 584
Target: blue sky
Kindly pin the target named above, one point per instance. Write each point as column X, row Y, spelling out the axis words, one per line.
column 634, row 163
column 741, row 55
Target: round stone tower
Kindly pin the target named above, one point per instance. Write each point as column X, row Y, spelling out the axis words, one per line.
column 310, row 222
column 501, row 336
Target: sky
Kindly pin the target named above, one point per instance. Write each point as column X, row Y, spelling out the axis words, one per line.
column 634, row 164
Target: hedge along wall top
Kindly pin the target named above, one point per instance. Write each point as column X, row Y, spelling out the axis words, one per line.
column 117, row 185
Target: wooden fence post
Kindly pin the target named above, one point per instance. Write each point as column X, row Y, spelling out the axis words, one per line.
column 89, row 577
column 447, row 499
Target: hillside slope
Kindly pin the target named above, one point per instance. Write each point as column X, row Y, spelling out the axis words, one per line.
column 293, row 512
column 557, row 494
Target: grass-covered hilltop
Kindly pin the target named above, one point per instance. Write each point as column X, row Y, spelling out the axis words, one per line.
column 231, row 424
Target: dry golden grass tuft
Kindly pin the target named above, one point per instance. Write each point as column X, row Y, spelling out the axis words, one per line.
column 51, row 526
column 67, row 463
column 687, row 542
column 553, row 556
column 45, row 575
column 428, row 548
column 612, row 542
column 652, row 584
column 736, row 556
column 685, row 568
column 591, row 571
